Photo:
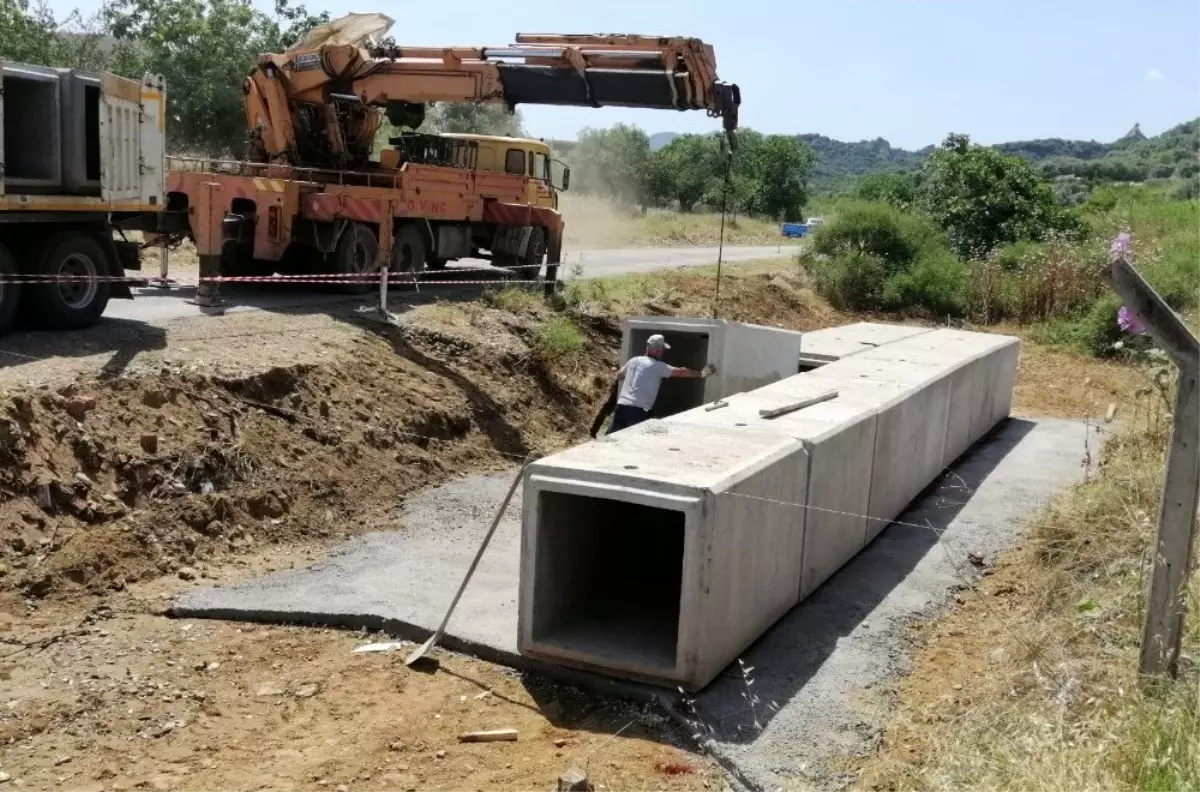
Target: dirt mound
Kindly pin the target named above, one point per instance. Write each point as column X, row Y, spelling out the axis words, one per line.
column 106, row 483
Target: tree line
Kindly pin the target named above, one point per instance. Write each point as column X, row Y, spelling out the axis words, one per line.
column 765, row 175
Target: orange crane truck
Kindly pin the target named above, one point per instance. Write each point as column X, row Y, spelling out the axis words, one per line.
column 313, row 201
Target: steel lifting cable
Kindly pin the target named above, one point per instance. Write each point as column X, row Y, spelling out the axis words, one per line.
column 721, row 236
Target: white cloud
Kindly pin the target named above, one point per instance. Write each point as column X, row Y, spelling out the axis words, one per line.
column 1154, row 75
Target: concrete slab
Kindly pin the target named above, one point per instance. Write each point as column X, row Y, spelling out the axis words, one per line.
column 834, row 343
column 661, row 552
column 817, row 663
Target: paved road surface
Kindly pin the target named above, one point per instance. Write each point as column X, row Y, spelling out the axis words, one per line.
column 157, row 307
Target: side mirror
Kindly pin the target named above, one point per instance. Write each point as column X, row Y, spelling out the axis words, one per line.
column 566, row 179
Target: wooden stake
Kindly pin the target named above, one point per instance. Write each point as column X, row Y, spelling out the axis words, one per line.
column 1166, row 603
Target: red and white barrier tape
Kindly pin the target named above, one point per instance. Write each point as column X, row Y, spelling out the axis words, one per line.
column 371, row 278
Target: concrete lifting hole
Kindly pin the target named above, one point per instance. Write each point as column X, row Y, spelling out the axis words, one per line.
column 609, row 579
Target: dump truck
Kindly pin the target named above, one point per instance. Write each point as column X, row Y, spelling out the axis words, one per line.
column 81, row 164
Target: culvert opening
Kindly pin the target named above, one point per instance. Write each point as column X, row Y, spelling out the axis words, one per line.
column 609, row 575
column 689, row 350
column 31, row 130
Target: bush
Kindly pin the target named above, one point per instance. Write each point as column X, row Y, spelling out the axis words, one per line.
column 1093, row 331
column 935, row 284
column 849, row 282
column 1189, row 188
column 894, row 237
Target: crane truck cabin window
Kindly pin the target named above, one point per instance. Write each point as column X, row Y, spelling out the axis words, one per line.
column 514, row 161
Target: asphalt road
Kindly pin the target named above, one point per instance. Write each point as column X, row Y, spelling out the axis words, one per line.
column 156, row 307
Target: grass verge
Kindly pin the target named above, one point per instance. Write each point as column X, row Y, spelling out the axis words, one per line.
column 1031, row 683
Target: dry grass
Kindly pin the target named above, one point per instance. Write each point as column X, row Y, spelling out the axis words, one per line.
column 595, row 223
column 1044, row 282
column 1032, row 684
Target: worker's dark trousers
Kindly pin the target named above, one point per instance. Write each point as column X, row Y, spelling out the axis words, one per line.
column 627, row 415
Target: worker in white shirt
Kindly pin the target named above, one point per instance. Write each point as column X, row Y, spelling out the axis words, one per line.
column 640, row 379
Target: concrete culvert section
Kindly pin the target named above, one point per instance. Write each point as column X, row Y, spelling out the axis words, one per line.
column 609, row 576
column 659, row 553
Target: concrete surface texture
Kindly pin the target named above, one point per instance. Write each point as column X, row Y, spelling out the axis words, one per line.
column 834, row 343
column 825, row 664
column 870, row 451
column 661, row 552
column 747, row 356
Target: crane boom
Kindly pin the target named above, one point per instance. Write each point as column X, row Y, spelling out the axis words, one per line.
column 323, row 105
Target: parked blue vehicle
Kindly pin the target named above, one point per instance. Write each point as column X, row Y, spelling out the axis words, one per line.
column 797, row 230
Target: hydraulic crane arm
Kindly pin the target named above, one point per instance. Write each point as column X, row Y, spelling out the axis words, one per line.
column 323, row 105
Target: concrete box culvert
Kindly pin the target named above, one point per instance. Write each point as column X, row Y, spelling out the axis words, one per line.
column 839, row 438
column 746, row 356
column 32, row 132
column 661, row 553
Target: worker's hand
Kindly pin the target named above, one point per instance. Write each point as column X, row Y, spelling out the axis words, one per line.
column 708, row 370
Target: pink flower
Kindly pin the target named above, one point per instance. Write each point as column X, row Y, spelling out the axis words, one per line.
column 1130, row 322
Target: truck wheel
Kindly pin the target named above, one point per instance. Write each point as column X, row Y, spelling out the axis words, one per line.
column 535, row 251
column 408, row 250
column 10, row 292
column 76, row 303
column 355, row 255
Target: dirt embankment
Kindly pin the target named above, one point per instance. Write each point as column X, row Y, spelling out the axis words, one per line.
column 104, row 483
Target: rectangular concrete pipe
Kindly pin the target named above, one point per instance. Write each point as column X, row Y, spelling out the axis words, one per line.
column 840, row 441
column 662, row 552
column 32, row 131
column 912, row 405
column 746, row 356
column 984, row 371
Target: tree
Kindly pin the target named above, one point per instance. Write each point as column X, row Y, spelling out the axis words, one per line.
column 982, row 198
column 474, row 118
column 612, row 163
column 29, row 34
column 897, row 189
column 780, row 166
column 683, row 171
column 204, row 49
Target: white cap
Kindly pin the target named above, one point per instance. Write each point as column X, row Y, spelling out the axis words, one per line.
column 657, row 340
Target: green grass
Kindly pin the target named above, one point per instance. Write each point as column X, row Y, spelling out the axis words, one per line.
column 557, row 338
column 514, row 299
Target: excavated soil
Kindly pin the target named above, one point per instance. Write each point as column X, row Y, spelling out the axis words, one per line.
column 215, row 459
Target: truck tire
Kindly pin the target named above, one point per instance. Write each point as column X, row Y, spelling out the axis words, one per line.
column 75, row 304
column 10, row 292
column 535, row 252
column 408, row 250
column 355, row 255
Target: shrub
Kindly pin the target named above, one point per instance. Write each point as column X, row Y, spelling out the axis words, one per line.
column 558, row 338
column 896, row 237
column 1093, row 330
column 1188, row 188
column 850, row 281
column 935, row 284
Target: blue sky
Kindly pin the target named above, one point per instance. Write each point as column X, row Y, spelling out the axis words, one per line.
column 907, row 71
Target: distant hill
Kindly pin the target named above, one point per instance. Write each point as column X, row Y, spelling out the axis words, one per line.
column 1133, row 157
column 839, row 162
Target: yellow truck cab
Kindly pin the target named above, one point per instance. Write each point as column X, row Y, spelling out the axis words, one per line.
column 545, row 176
